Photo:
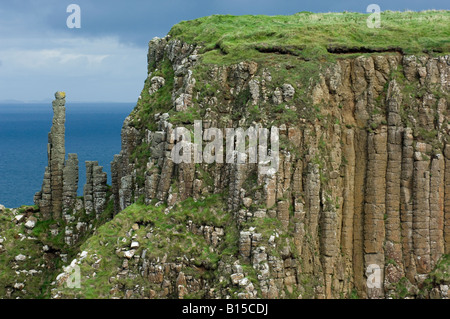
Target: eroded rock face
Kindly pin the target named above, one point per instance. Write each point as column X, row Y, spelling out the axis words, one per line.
column 157, row 83
column 70, row 182
column 50, row 198
column 369, row 187
column 57, row 199
column 95, row 189
column 359, row 204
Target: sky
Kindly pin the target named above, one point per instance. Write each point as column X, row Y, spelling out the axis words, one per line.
column 105, row 59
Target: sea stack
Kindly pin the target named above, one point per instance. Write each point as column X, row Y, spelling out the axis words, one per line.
column 50, row 198
column 57, row 152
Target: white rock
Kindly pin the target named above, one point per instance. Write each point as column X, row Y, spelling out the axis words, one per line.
column 238, row 268
column 444, row 290
column 247, row 202
column 45, row 248
column 73, row 263
column 134, row 244
column 30, row 224
column 244, row 282
column 271, row 239
column 20, row 257
column 19, row 218
column 277, row 96
column 83, row 254
column 156, row 83
column 236, row 278
column 59, row 277
column 19, row 286
column 129, row 253
column 418, row 156
column 288, row 92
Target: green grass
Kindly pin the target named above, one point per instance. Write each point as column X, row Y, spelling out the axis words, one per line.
column 441, row 273
column 35, row 285
column 230, row 39
column 210, row 211
column 295, row 49
column 160, row 101
column 49, row 265
column 169, row 235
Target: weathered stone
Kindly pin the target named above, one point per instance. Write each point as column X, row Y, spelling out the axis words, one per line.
column 129, row 253
column 51, row 205
column 364, row 191
column 31, row 222
column 277, row 96
column 288, row 92
column 95, row 189
column 156, row 83
column 20, row 257
column 134, row 244
column 70, row 182
column 236, row 278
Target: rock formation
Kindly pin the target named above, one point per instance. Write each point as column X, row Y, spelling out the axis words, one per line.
column 365, row 198
column 70, row 186
column 58, row 197
column 95, row 189
column 359, row 205
column 50, row 198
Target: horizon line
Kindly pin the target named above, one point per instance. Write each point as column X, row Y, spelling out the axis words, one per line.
column 50, row 101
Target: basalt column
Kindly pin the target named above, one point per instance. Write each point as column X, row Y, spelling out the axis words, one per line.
column 57, row 152
column 50, row 198
column 95, row 188
column 70, row 186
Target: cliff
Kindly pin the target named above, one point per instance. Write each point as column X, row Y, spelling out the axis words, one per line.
column 359, row 202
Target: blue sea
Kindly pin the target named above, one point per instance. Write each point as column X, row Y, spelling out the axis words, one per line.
column 92, row 131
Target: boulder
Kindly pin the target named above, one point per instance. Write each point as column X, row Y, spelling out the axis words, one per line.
column 31, row 222
column 129, row 253
column 20, row 257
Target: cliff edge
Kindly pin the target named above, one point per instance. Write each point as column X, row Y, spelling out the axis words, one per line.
column 359, row 203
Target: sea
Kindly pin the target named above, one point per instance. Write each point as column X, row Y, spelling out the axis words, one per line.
column 92, row 131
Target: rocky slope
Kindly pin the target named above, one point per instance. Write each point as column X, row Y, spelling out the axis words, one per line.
column 359, row 205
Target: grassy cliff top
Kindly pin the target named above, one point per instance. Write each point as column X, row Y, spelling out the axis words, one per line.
column 227, row 38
